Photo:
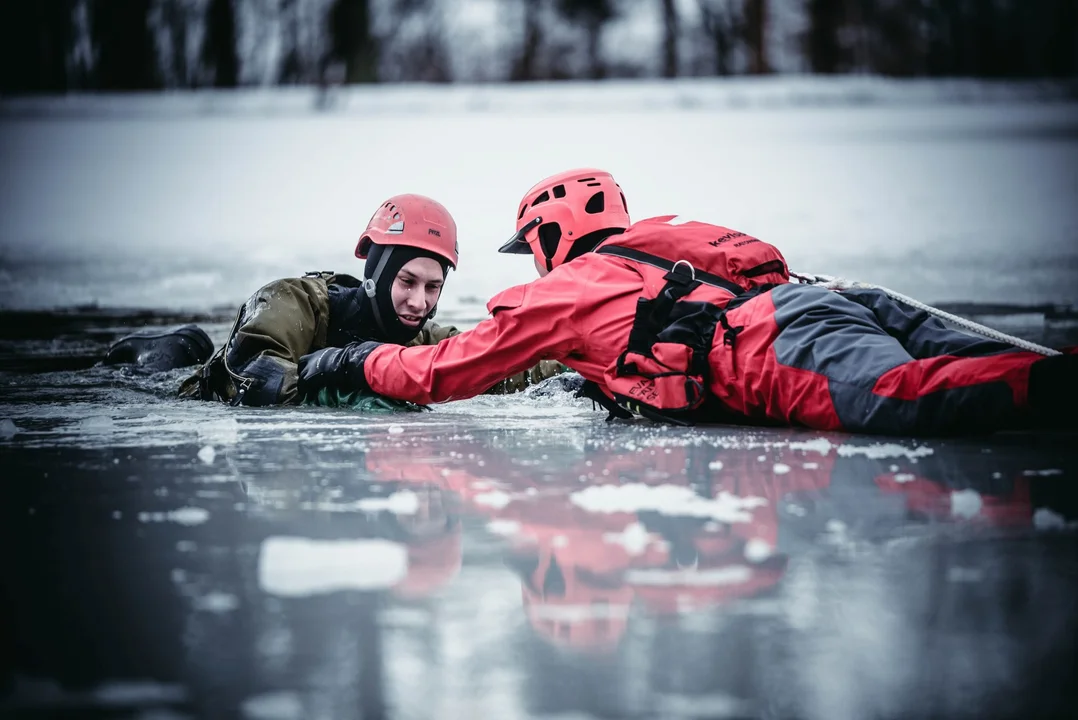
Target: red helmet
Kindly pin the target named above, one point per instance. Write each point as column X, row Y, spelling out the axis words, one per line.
column 560, row 210
column 413, row 220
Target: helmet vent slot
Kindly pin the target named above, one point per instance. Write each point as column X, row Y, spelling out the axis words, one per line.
column 596, row 203
column 559, row 191
column 543, row 197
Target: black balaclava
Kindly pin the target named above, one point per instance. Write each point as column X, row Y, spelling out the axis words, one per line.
column 383, row 264
column 366, row 312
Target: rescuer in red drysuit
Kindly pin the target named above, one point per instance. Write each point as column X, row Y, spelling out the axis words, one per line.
column 690, row 322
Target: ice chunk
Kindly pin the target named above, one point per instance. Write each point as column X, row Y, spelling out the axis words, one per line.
column 966, row 503
column 8, row 429
column 300, row 567
column 207, row 454
column 1045, row 519
column 666, row 500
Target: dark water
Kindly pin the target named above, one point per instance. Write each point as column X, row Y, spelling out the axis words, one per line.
column 509, row 557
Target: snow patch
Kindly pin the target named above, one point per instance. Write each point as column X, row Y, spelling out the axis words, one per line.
column 904, row 477
column 780, row 468
column 757, row 550
column 223, row 431
column 884, row 450
column 495, row 499
column 282, row 705
column 300, row 567
column 207, row 454
column 1045, row 519
column 1042, row 473
column 715, row 465
column 715, row 577
column 217, row 602
column 966, row 503
column 503, row 527
column 666, row 500
column 819, row 445
column 395, row 429
column 184, row 516
column 96, row 424
column 965, row 575
column 403, row 502
column 578, row 613
column 634, row 538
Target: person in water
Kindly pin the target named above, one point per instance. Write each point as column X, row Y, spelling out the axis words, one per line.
column 409, row 246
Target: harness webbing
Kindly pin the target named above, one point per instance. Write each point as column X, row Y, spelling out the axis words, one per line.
column 663, row 264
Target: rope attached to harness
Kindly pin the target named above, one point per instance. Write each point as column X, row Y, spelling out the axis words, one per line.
column 834, row 283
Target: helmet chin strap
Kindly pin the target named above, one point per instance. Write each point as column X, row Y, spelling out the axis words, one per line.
column 370, row 287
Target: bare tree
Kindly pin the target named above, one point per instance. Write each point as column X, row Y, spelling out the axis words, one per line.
column 593, row 15
column 721, row 25
column 525, row 63
column 670, row 38
column 825, row 21
column 125, row 48
column 219, row 44
column 35, row 39
column 755, row 27
column 174, row 17
column 416, row 51
column 352, row 41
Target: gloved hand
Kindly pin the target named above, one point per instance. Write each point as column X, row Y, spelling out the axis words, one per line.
column 339, row 369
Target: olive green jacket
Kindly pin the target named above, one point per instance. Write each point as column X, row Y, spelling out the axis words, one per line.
column 282, row 322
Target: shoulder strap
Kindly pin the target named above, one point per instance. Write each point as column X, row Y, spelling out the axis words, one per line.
column 663, row 264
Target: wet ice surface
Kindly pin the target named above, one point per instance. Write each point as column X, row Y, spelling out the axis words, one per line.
column 517, row 557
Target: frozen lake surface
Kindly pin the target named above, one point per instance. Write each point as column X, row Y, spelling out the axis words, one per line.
column 517, row 556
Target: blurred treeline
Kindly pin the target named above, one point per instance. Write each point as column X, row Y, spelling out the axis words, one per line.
column 56, row 46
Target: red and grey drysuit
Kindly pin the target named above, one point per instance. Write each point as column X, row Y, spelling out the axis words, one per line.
column 693, row 322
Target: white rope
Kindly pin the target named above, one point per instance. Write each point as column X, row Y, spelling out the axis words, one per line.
column 833, row 283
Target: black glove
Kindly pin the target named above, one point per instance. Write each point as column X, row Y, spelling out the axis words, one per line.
column 339, row 369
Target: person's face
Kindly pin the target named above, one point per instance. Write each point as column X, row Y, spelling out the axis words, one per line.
column 416, row 290
column 540, row 265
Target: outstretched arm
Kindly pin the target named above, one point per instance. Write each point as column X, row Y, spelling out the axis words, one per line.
column 530, row 323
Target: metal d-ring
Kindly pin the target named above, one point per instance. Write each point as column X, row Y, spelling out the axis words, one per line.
column 692, row 270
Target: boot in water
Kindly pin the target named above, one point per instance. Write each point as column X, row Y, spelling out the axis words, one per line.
column 162, row 350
